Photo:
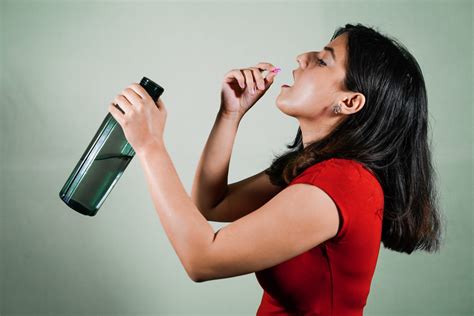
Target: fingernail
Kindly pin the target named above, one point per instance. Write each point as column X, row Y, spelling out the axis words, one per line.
column 276, row 70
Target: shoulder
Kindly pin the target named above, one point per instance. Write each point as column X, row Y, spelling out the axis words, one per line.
column 338, row 162
column 338, row 169
column 342, row 177
column 354, row 189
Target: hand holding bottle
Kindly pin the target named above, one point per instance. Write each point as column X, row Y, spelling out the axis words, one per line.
column 104, row 160
column 143, row 120
column 242, row 88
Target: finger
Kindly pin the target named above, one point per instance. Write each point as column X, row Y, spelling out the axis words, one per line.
column 235, row 74
column 134, row 98
column 258, row 78
column 117, row 114
column 161, row 105
column 117, row 107
column 121, row 101
column 270, row 76
column 140, row 91
column 249, row 79
column 265, row 66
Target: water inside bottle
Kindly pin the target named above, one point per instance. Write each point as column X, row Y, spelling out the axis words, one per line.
column 104, row 168
column 94, row 178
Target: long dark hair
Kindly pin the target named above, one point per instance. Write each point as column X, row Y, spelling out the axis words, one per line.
column 388, row 136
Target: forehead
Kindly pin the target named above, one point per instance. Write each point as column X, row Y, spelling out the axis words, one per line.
column 339, row 45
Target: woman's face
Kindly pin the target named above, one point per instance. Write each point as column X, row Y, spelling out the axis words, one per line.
column 318, row 82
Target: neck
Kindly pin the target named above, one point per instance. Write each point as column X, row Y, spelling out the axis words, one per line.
column 314, row 130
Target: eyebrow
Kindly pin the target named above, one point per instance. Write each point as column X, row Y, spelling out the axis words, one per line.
column 331, row 50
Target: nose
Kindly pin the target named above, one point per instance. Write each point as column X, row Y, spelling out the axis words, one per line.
column 301, row 59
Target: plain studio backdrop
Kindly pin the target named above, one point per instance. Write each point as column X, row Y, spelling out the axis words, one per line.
column 62, row 63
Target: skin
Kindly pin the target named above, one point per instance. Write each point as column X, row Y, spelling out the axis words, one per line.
column 295, row 220
column 317, row 88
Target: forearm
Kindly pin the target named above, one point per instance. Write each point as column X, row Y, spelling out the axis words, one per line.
column 187, row 229
column 210, row 181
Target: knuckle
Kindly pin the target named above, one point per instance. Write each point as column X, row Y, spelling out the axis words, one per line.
column 233, row 72
column 264, row 64
column 239, row 74
column 257, row 73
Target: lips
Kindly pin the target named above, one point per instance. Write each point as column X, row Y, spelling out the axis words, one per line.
column 285, row 86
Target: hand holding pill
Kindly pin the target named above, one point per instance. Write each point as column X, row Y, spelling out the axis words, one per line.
column 242, row 88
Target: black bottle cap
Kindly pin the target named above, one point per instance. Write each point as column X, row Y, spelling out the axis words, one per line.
column 153, row 89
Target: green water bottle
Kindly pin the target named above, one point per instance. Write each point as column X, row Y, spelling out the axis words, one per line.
column 102, row 163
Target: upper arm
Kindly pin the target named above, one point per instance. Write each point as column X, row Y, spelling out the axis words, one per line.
column 243, row 197
column 297, row 219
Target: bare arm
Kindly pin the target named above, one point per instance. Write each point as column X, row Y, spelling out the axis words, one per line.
column 216, row 200
column 243, row 197
column 210, row 193
column 297, row 219
column 210, row 181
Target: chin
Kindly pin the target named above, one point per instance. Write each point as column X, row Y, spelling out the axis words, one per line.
column 284, row 106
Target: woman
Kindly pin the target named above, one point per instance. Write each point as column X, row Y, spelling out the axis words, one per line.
column 310, row 226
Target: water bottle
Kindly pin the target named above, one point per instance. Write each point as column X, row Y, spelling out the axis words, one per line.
column 102, row 163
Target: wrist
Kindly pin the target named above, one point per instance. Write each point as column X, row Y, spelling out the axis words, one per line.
column 150, row 148
column 230, row 116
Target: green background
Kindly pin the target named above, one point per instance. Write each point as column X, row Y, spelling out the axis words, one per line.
column 63, row 62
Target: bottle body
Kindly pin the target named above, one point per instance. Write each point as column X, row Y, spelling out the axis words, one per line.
column 102, row 163
column 99, row 168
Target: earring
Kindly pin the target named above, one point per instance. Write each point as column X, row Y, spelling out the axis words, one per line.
column 336, row 108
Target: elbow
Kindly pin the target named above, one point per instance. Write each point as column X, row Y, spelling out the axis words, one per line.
column 197, row 277
column 203, row 265
column 202, row 268
column 192, row 272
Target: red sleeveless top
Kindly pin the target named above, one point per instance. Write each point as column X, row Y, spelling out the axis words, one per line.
column 334, row 277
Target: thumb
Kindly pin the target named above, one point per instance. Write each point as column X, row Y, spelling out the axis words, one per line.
column 161, row 105
column 269, row 78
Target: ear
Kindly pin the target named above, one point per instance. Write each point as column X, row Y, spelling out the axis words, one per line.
column 353, row 103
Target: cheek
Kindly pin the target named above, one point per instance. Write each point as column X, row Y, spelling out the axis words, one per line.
column 298, row 101
column 310, row 95
column 305, row 100
column 305, row 96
